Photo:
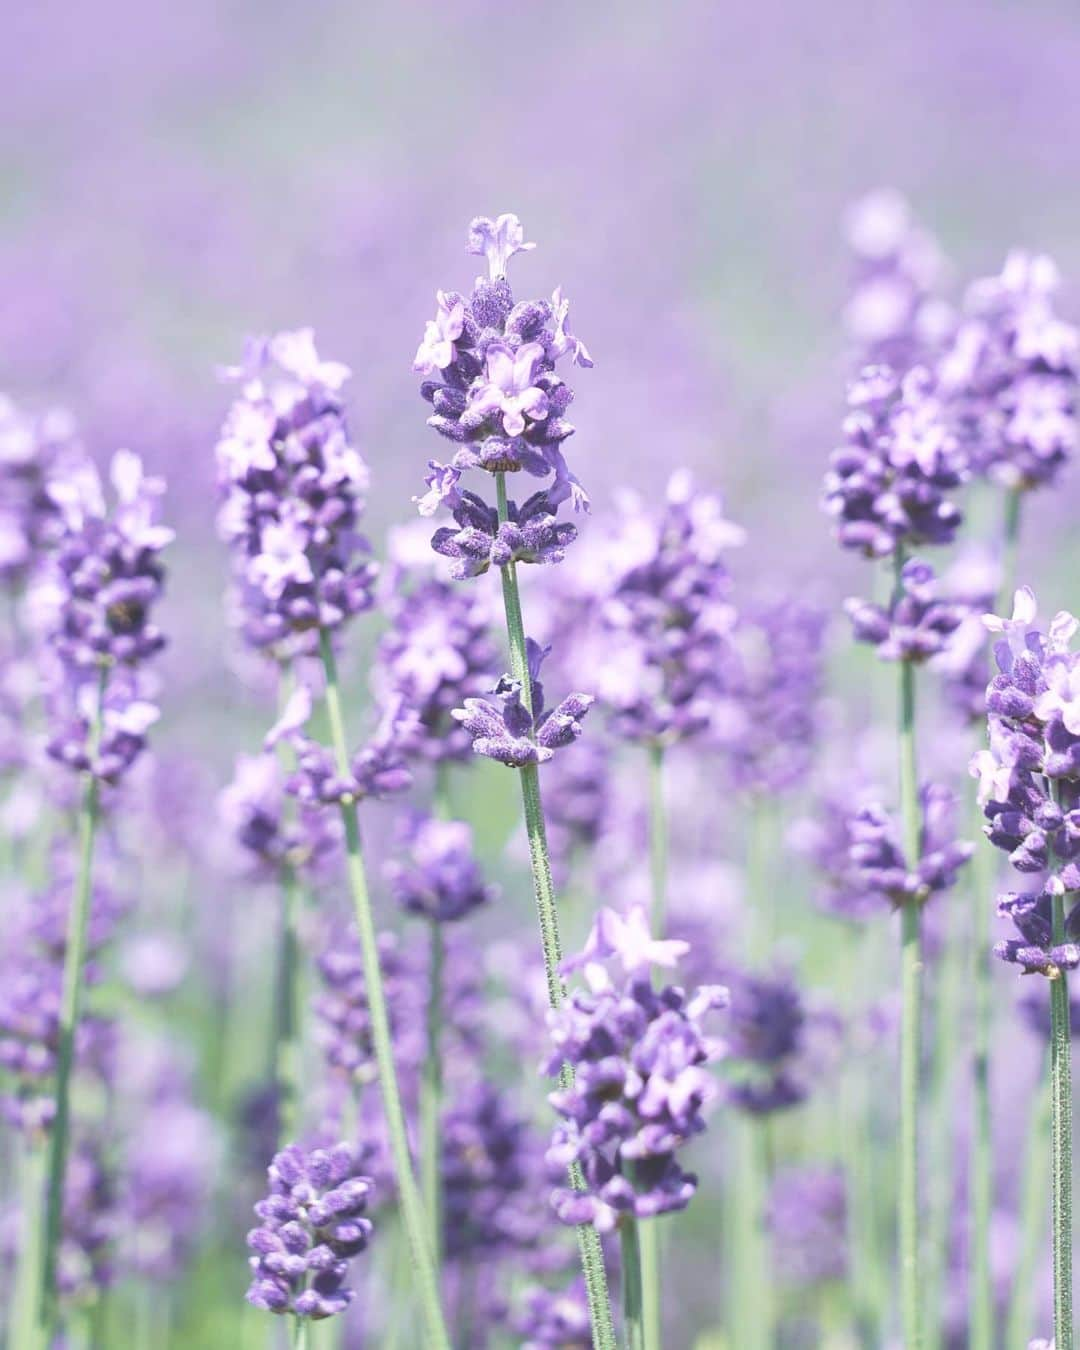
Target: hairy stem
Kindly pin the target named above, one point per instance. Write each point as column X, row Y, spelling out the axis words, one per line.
column 592, row 1256
column 1061, row 1137
column 70, row 1011
column 412, row 1208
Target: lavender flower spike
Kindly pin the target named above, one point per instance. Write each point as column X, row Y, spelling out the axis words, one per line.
column 313, row 1223
column 497, row 240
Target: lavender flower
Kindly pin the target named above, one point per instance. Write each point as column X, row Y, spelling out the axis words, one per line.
column 667, row 617
column 488, row 1177
column 1029, row 778
column 886, row 485
column 292, row 487
column 1011, row 375
column 251, row 810
column 512, row 734
column 555, row 1318
column 312, row 1225
column 807, row 1219
column 436, row 653
column 778, row 691
column 495, row 394
column 917, row 624
column 442, row 879
column 875, row 863
column 85, row 1263
column 767, row 1043
column 95, row 606
column 640, row 1085
column 34, row 450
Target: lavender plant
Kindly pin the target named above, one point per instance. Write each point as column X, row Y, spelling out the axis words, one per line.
column 496, row 395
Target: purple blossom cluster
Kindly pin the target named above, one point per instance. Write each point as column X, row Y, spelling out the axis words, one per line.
column 1029, row 780
column 777, row 692
column 806, row 1217
column 767, row 1042
column 95, row 604
column 1011, row 375
column 31, row 990
column 554, row 1319
column 641, row 1084
column 35, row 451
column 312, row 1224
column 436, row 653
column 667, row 617
column 916, row 625
column 490, row 367
column 292, row 489
column 887, row 486
column 519, row 733
column 441, row 879
column 260, row 830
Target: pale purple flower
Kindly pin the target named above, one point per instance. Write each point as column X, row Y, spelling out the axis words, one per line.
column 497, row 240
column 436, row 351
column 510, row 389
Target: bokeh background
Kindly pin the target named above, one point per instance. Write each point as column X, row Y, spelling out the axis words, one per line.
column 173, row 178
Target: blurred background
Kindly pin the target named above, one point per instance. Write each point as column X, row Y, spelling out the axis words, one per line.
column 173, row 178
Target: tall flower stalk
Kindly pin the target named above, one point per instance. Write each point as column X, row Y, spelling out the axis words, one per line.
column 292, row 487
column 1029, row 787
column 108, row 577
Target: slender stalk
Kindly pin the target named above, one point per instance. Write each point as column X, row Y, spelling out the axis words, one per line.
column 288, row 1057
column 1033, row 1215
column 298, row 1333
column 983, row 873
column 981, row 1183
column 911, row 1007
column 748, row 1291
column 1061, row 1137
column 592, row 1256
column 24, row 1332
column 431, row 1089
column 632, row 1291
column 70, row 1011
column 946, row 1019
column 658, row 841
column 1010, row 542
column 412, row 1208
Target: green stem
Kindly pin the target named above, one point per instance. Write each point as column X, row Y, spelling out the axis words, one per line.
column 649, row 1234
column 288, row 1056
column 592, row 1256
column 24, row 1330
column 70, row 1010
column 1010, row 543
column 946, row 1018
column 1033, row 1215
column 412, row 1208
column 981, row 1181
column 1061, row 1136
column 911, row 1006
column 658, row 841
column 431, row 1089
column 749, row 1300
column 298, row 1333
column 632, row 1292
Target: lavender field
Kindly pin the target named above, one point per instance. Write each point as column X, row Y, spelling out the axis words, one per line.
column 539, row 701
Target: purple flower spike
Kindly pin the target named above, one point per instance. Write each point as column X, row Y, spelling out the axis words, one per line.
column 1029, row 778
column 442, row 879
column 495, row 394
column 887, row 485
column 313, row 1224
column 640, row 1086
